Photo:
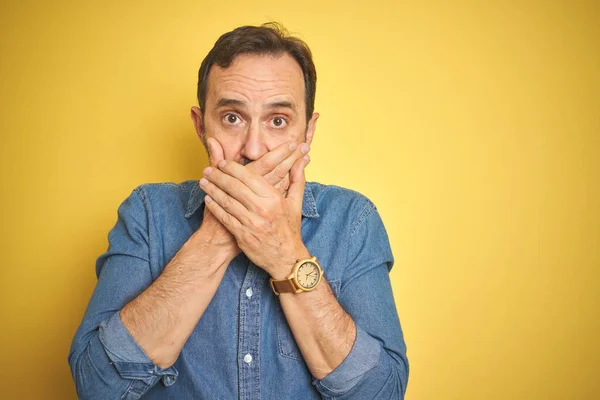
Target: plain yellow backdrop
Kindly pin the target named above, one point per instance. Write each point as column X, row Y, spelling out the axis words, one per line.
column 473, row 126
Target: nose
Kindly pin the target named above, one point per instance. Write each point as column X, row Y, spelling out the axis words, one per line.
column 255, row 145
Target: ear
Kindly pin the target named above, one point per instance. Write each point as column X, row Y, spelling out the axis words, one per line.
column 312, row 127
column 196, row 115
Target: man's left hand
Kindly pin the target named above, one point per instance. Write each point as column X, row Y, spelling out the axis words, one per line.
column 265, row 224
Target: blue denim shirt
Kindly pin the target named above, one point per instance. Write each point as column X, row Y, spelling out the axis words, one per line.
column 242, row 346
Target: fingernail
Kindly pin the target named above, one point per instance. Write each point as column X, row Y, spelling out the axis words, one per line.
column 293, row 146
column 203, row 182
column 207, row 199
column 222, row 163
column 306, row 158
column 208, row 170
column 304, row 148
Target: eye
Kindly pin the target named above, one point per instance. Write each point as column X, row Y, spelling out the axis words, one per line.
column 232, row 119
column 279, row 122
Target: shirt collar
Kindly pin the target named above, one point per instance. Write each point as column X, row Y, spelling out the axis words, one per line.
column 309, row 205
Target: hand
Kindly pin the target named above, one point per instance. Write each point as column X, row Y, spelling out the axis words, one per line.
column 274, row 166
column 265, row 224
column 219, row 234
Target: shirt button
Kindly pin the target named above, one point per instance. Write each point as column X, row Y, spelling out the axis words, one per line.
column 248, row 358
column 168, row 380
column 249, row 293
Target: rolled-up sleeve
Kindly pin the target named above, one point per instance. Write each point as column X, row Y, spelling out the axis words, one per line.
column 105, row 360
column 377, row 366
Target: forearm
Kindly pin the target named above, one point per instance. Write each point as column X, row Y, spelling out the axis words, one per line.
column 324, row 332
column 162, row 317
column 347, row 362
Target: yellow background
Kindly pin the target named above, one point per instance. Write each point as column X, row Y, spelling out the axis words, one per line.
column 473, row 126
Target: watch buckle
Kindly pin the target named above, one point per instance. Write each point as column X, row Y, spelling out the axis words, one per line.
column 273, row 287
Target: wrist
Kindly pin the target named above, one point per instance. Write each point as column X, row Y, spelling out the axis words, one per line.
column 201, row 259
column 210, row 242
column 213, row 233
column 284, row 270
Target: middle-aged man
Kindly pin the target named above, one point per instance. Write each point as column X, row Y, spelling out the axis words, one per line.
column 250, row 283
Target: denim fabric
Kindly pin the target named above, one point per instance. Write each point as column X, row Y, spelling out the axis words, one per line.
column 242, row 348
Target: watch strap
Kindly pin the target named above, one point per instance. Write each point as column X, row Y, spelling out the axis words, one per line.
column 284, row 286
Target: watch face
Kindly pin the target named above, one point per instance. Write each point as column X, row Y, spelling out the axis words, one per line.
column 308, row 275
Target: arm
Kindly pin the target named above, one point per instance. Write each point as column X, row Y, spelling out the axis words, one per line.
column 162, row 317
column 351, row 354
column 134, row 329
column 324, row 332
column 105, row 360
column 375, row 364
column 113, row 354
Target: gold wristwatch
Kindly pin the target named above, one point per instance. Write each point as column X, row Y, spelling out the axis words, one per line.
column 306, row 275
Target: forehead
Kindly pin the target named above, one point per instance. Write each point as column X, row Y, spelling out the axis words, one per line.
column 257, row 79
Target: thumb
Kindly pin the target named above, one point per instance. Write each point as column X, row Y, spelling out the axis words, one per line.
column 297, row 181
column 215, row 151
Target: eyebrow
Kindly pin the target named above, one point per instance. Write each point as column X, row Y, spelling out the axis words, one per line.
column 225, row 102
column 282, row 104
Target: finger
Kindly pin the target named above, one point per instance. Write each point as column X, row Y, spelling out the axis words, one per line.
column 215, row 154
column 283, row 185
column 273, row 158
column 230, row 185
column 248, row 178
column 229, row 204
column 285, row 166
column 298, row 182
column 215, row 151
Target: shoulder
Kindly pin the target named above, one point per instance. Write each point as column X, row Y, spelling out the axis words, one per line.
column 165, row 195
column 339, row 202
column 349, row 228
column 150, row 190
column 325, row 193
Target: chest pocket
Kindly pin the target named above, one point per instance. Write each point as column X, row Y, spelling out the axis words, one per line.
column 285, row 339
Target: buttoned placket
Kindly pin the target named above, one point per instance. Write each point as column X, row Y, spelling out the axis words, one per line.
column 249, row 334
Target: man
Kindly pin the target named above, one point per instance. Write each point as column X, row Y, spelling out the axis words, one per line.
column 249, row 283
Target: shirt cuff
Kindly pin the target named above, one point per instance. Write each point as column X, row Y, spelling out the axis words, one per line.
column 363, row 357
column 127, row 356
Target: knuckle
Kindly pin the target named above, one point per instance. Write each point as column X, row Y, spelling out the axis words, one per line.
column 253, row 180
column 257, row 225
column 227, row 219
column 248, row 239
column 269, row 165
column 281, row 172
column 261, row 210
column 271, row 178
column 263, row 226
column 226, row 204
column 267, row 210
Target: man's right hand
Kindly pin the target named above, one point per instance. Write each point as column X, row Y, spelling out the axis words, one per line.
column 274, row 166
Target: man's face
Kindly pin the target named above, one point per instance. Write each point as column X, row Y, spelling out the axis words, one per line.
column 254, row 106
